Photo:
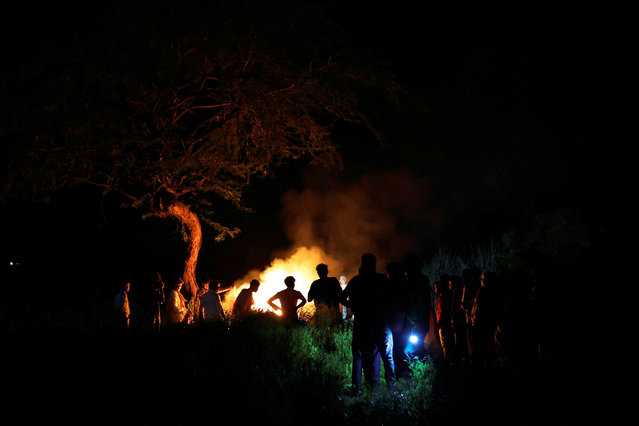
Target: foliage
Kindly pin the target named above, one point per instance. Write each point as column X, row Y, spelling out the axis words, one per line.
column 406, row 403
column 487, row 256
column 191, row 114
column 559, row 234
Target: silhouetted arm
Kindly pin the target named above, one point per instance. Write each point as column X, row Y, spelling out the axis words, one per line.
column 301, row 296
column 273, row 305
column 311, row 292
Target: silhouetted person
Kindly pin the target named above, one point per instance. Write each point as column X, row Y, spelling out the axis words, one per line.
column 156, row 300
column 210, row 307
column 326, row 293
column 288, row 299
column 420, row 307
column 398, row 317
column 244, row 301
column 366, row 296
column 443, row 323
column 121, row 307
column 458, row 316
column 150, row 304
column 471, row 279
column 203, row 288
column 176, row 305
column 514, row 339
column 485, row 315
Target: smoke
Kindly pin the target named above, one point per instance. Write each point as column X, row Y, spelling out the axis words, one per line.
column 333, row 223
column 379, row 213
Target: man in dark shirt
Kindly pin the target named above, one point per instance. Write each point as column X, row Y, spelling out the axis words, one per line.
column 366, row 296
column 326, row 293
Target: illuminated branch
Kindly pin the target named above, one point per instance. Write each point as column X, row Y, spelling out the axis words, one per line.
column 111, row 188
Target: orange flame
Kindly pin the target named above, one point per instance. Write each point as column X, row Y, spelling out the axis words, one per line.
column 300, row 264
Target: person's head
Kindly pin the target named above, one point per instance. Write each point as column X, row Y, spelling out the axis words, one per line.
column 322, row 270
column 289, row 281
column 126, row 286
column 205, row 284
column 254, row 285
column 368, row 262
column 215, row 284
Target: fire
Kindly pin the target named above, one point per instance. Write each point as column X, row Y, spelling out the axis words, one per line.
column 300, row 264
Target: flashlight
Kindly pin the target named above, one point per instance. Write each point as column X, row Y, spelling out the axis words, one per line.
column 413, row 338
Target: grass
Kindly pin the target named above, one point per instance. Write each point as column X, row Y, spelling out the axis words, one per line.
column 203, row 373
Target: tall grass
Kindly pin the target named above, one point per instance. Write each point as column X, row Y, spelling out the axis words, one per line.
column 487, row 257
column 306, row 372
column 205, row 373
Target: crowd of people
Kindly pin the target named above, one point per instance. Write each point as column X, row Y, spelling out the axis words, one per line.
column 394, row 315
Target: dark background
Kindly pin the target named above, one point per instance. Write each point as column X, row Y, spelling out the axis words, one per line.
column 527, row 112
column 524, row 113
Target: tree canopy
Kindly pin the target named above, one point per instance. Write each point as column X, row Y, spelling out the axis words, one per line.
column 179, row 108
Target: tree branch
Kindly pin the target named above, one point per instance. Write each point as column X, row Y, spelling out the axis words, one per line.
column 109, row 187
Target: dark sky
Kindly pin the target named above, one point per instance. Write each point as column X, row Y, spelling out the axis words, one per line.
column 523, row 106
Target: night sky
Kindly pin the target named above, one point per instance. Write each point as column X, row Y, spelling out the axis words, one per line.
column 522, row 110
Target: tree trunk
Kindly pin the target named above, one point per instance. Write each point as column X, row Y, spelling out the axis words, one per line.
column 194, row 231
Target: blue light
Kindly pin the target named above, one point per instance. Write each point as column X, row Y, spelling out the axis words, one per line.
column 413, row 338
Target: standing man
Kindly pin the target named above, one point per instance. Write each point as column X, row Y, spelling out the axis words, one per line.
column 326, row 293
column 153, row 301
column 397, row 318
column 210, row 307
column 244, row 301
column 366, row 296
column 288, row 301
column 121, row 306
column 443, row 318
column 419, row 314
column 176, row 305
column 485, row 316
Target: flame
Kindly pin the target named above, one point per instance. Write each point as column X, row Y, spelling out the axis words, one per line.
column 300, row 264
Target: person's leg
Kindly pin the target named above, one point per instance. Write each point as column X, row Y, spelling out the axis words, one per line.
column 372, row 363
column 386, row 351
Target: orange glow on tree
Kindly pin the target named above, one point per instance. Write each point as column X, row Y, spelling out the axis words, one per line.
column 193, row 229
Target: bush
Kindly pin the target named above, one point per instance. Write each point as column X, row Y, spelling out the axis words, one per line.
column 487, row 257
